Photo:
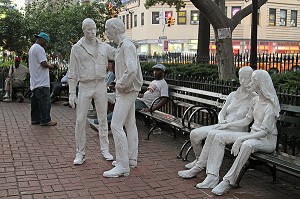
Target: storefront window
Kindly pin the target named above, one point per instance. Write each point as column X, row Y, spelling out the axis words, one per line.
column 181, row 17
column 155, row 17
column 294, row 18
column 272, row 17
column 283, row 17
column 194, row 17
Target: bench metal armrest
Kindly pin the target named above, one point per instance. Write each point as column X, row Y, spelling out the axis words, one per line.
column 211, row 112
column 168, row 100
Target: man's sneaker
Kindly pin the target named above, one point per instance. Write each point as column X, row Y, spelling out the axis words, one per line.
column 94, row 126
column 6, row 95
column 51, row 123
column 7, row 100
column 79, row 159
column 117, row 172
column 107, row 155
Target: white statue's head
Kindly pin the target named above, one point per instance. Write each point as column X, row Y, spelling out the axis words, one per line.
column 113, row 28
column 261, row 82
column 89, row 28
column 245, row 74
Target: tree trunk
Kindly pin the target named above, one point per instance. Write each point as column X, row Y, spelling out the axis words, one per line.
column 203, row 40
column 224, row 56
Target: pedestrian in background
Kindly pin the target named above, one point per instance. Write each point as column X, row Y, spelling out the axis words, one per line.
column 40, row 82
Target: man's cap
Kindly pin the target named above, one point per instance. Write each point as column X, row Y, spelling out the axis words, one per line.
column 160, row 67
column 17, row 59
column 44, row 36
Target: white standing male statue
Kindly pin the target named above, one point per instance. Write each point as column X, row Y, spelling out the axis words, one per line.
column 263, row 113
column 88, row 61
column 129, row 80
column 235, row 108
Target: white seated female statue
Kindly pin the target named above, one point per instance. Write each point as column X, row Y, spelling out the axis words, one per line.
column 235, row 108
column 263, row 113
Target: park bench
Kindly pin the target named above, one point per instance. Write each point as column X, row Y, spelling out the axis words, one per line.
column 186, row 109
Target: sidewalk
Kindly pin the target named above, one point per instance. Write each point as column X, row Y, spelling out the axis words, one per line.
column 37, row 162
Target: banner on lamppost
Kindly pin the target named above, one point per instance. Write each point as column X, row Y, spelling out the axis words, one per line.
column 166, row 45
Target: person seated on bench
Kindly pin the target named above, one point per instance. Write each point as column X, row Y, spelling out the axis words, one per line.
column 57, row 88
column 16, row 76
column 263, row 113
column 157, row 88
column 236, row 107
column 110, row 74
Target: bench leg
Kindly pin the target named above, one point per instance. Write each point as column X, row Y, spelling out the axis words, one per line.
column 243, row 171
column 151, row 130
column 182, row 148
column 187, row 153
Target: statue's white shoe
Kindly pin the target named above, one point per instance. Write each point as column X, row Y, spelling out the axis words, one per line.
column 117, row 172
column 221, row 188
column 132, row 163
column 107, row 155
column 80, row 159
column 190, row 173
column 210, row 182
column 191, row 164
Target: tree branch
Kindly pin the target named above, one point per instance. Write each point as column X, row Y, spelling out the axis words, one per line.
column 235, row 20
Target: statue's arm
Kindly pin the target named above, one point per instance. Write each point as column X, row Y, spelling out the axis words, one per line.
column 73, row 73
column 223, row 112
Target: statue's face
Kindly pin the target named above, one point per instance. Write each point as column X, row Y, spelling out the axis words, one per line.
column 245, row 78
column 90, row 31
column 109, row 32
column 253, row 86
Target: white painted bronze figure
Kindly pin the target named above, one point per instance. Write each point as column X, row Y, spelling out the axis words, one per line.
column 235, row 108
column 88, row 63
column 129, row 80
column 263, row 113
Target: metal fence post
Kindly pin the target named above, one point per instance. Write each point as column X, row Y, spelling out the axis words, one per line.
column 1, row 84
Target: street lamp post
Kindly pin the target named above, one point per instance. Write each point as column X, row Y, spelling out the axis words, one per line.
column 253, row 55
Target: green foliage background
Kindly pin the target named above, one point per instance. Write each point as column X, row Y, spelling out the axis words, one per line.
column 60, row 19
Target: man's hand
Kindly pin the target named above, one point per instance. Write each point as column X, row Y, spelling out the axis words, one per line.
column 72, row 100
column 145, row 110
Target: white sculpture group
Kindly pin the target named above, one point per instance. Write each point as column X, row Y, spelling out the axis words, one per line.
column 254, row 101
column 241, row 109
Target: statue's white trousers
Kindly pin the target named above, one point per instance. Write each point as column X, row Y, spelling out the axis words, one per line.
column 126, row 147
column 197, row 136
column 216, row 154
column 95, row 89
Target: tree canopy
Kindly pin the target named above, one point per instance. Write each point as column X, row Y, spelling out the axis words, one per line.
column 60, row 19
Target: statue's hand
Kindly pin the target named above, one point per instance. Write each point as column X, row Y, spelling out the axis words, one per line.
column 236, row 147
column 72, row 100
column 222, row 126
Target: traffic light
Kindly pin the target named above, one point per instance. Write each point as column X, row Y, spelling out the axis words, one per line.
column 169, row 20
column 172, row 21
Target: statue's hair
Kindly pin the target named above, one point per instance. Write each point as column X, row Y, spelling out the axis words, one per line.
column 265, row 84
column 117, row 24
column 87, row 21
column 246, row 69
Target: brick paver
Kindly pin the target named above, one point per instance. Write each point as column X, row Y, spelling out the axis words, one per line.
column 36, row 162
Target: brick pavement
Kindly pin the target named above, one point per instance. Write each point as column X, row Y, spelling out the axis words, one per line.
column 36, row 162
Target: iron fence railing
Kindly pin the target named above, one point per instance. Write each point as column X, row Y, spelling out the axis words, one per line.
column 285, row 96
column 273, row 62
